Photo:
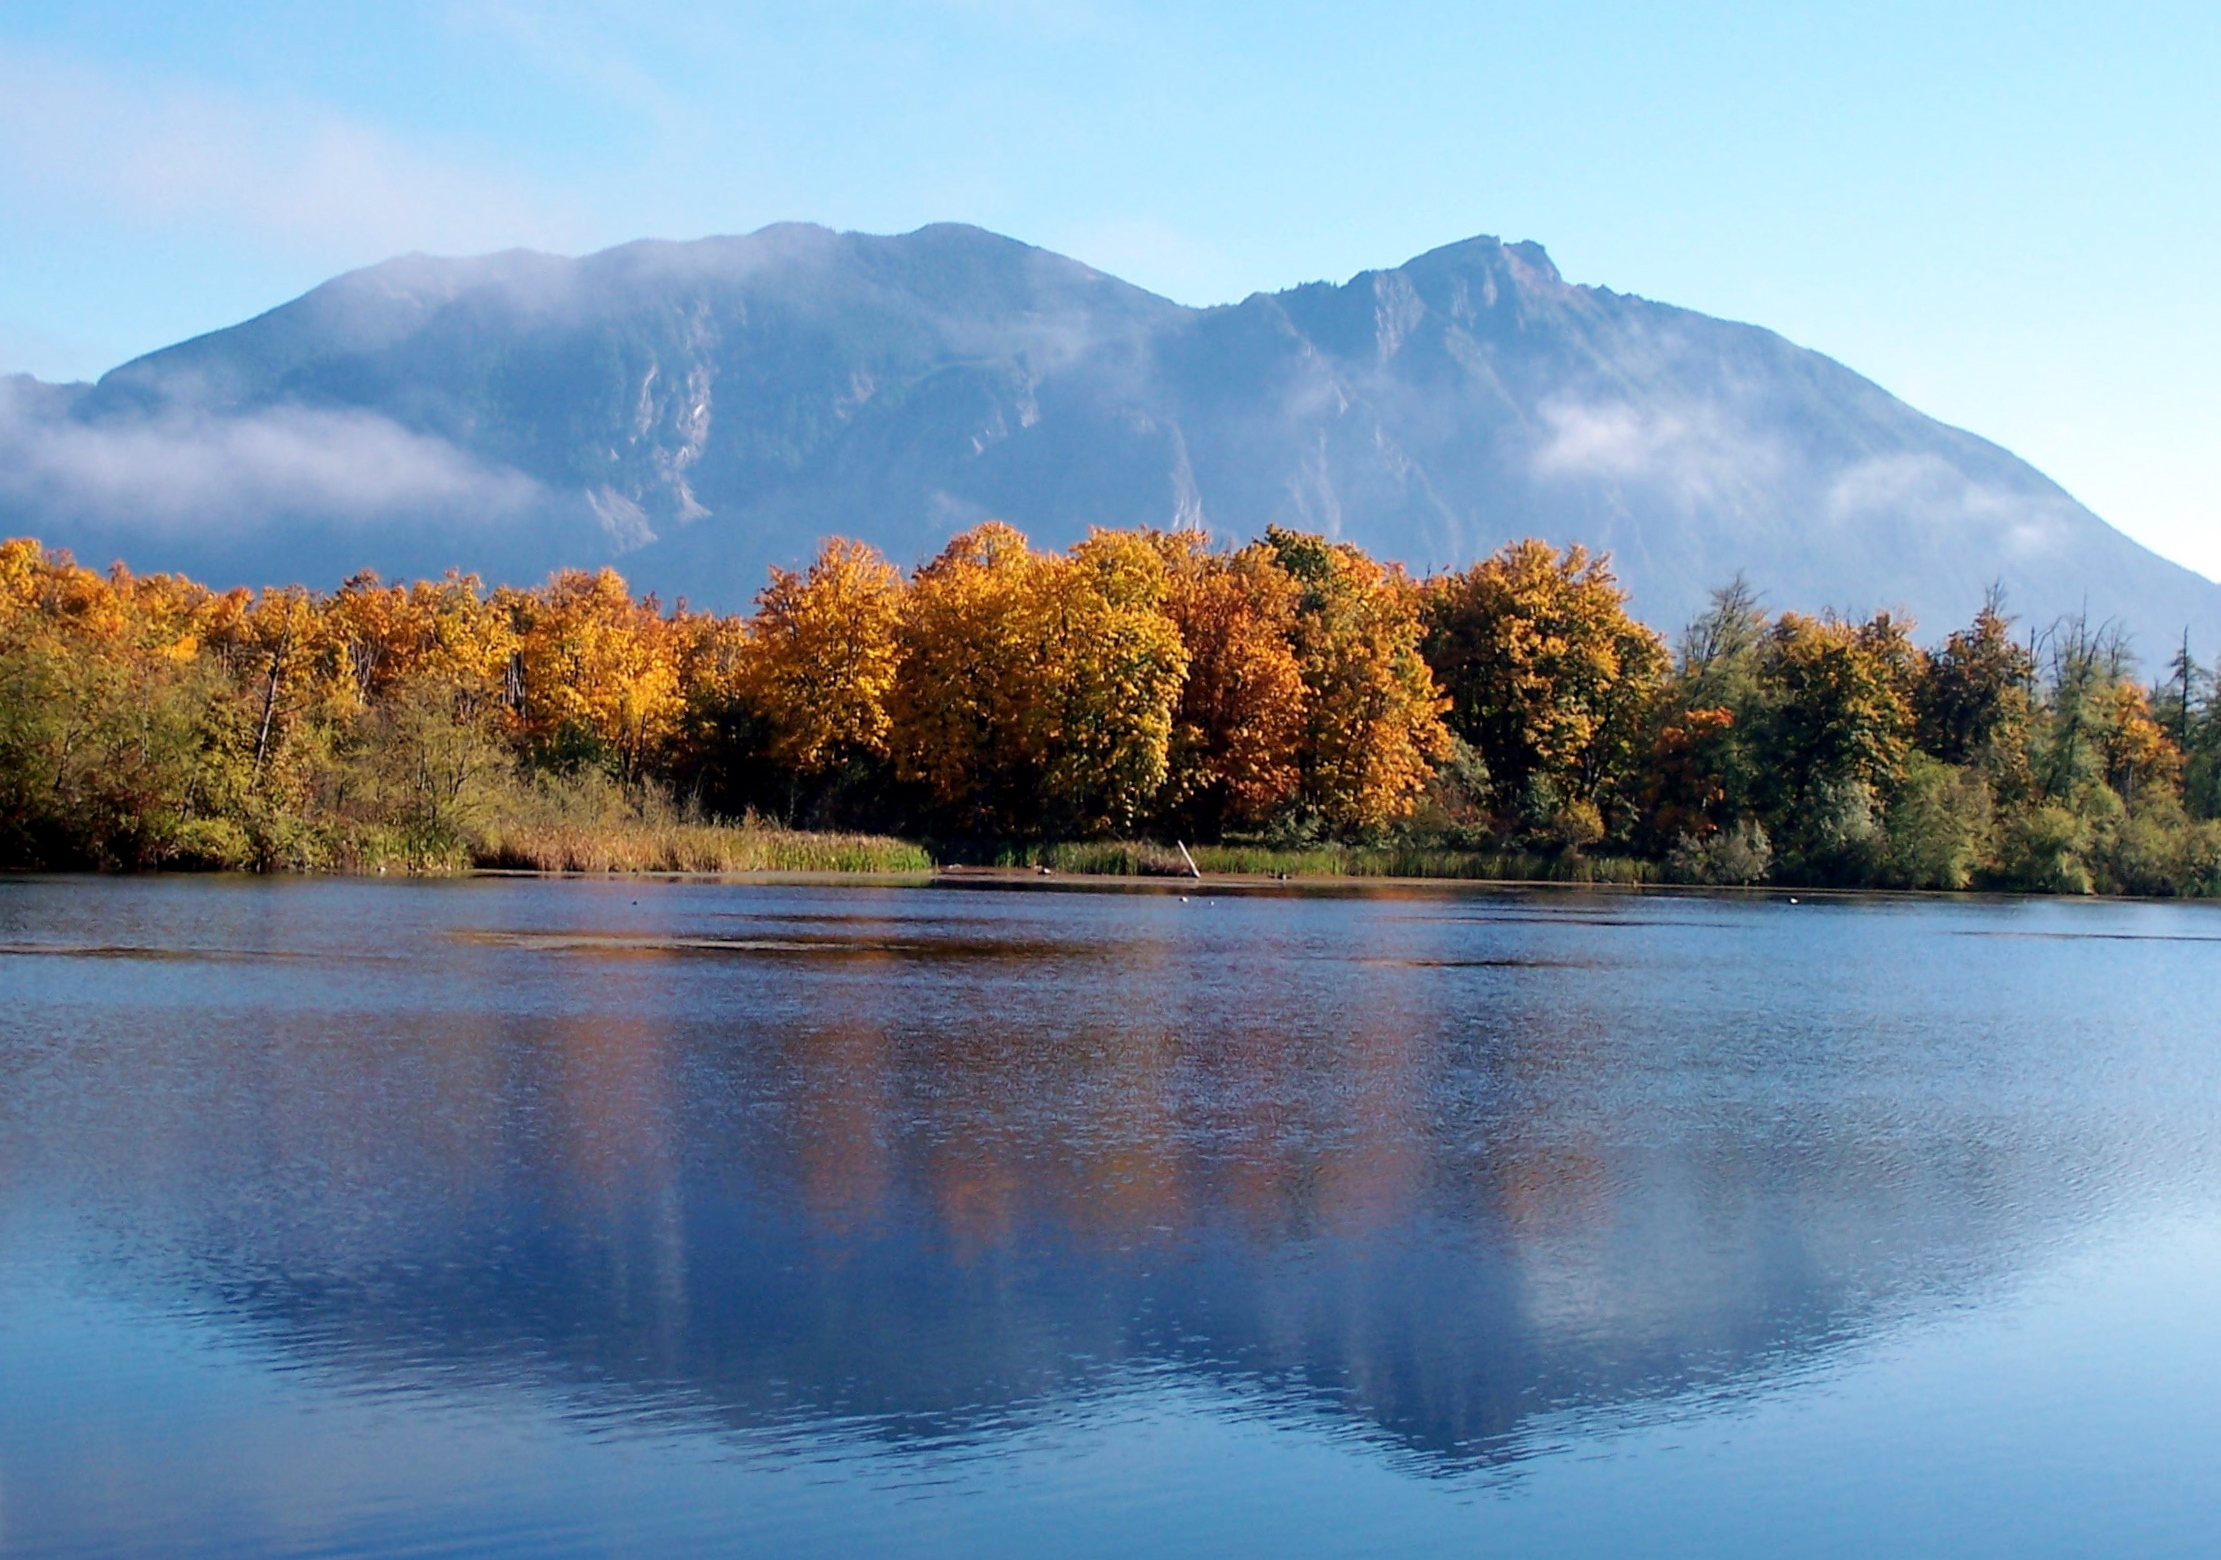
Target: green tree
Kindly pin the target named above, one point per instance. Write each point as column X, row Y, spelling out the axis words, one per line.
column 1938, row 825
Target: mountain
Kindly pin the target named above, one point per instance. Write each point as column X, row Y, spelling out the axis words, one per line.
column 691, row 412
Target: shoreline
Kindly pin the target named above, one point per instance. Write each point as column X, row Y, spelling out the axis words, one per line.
column 1251, row 885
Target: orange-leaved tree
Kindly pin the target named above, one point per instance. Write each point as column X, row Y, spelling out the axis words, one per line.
column 443, row 633
column 1236, row 751
column 1036, row 691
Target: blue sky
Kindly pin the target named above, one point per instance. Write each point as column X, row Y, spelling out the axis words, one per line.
column 2006, row 214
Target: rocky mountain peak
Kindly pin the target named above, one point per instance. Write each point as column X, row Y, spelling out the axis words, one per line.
column 701, row 409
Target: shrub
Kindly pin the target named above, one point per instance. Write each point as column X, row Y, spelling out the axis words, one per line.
column 1938, row 826
column 1736, row 855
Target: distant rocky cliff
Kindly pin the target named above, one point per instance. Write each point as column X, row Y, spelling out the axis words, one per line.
column 691, row 412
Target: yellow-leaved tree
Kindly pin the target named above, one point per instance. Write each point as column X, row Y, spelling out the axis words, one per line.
column 1550, row 678
column 419, row 678
column 596, row 673
column 822, row 658
column 1841, row 705
column 442, row 633
column 1373, row 717
column 114, row 741
column 959, row 711
column 1111, row 666
column 1035, row 691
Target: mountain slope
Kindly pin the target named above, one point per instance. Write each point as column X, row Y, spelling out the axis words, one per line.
column 692, row 412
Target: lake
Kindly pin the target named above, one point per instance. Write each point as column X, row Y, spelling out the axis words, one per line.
column 509, row 1216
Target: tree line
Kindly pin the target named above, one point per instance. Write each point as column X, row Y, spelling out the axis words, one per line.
column 1141, row 684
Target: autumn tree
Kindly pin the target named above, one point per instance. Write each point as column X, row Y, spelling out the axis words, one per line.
column 1111, row 668
column 106, row 692
column 447, row 632
column 960, row 709
column 1373, row 728
column 822, row 658
column 1235, row 753
column 597, row 679
column 2138, row 756
column 1834, row 732
column 1548, row 676
column 716, row 758
column 1975, row 695
column 1704, row 769
column 1036, row 692
column 1973, row 706
column 1684, row 793
column 1841, row 703
column 2097, row 726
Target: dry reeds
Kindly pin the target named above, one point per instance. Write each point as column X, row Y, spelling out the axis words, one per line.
column 588, row 824
column 642, row 846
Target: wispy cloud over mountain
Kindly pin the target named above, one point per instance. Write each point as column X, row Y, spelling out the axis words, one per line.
column 699, row 410
column 1691, row 455
column 186, row 473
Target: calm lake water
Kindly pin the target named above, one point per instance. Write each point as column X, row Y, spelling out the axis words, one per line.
column 547, row 1218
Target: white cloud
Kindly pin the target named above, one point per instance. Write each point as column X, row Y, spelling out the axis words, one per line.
column 1936, row 495
column 1695, row 457
column 155, row 152
column 175, row 474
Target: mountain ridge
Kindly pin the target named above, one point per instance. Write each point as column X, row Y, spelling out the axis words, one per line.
column 692, row 411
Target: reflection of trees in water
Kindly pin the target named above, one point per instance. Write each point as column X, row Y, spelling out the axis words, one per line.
column 939, row 1199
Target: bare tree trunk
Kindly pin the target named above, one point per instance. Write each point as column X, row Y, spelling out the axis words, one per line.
column 270, row 701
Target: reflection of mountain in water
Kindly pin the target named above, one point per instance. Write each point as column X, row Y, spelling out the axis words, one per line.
column 934, row 1197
